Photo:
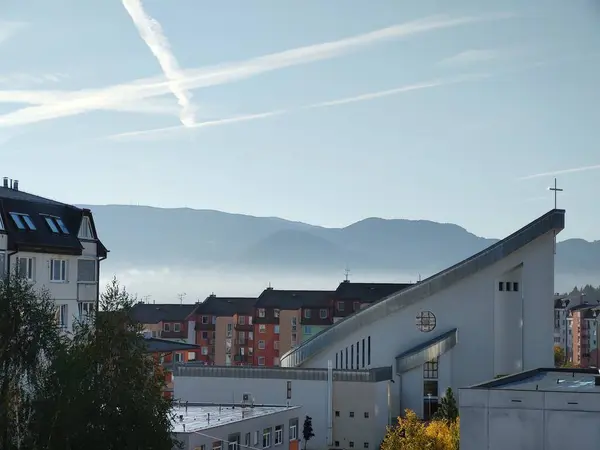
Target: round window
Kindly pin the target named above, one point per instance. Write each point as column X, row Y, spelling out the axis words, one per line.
column 426, row 321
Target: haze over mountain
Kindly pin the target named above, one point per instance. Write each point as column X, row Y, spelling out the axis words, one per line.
column 160, row 252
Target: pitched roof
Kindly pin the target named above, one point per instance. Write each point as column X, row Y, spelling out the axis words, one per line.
column 42, row 238
column 289, row 299
column 155, row 345
column 226, row 306
column 367, row 292
column 162, row 312
column 552, row 221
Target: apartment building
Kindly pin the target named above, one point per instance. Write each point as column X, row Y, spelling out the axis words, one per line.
column 224, row 330
column 53, row 245
column 584, row 330
column 351, row 297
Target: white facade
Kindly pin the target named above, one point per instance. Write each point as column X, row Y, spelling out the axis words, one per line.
column 212, row 427
column 546, row 410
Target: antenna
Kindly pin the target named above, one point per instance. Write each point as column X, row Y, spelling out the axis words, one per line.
column 347, row 274
column 181, row 296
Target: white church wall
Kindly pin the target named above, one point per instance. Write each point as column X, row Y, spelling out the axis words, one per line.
column 468, row 306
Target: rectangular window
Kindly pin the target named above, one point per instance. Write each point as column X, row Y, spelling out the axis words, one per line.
column 191, row 356
column 51, row 224
column 205, row 335
column 307, row 330
column 85, row 229
column 276, row 329
column 261, row 312
column 266, row 438
column 26, row 268
column 247, row 440
column 293, row 433
column 205, row 351
column 261, row 345
column 501, row 285
column 178, row 357
column 229, row 329
column 61, row 316
column 356, row 306
column 278, row 434
column 342, row 359
column 22, row 221
column 86, row 310
column 369, row 350
column 346, row 358
column 216, row 445
column 176, row 327
column 357, row 355
column 2, row 263
column 323, row 313
column 352, row 357
column 256, row 441
column 430, row 388
column 261, row 360
column 340, row 306
column 430, row 370
column 241, row 320
column 276, row 345
column 262, row 328
column 58, row 270
column 166, row 327
column 289, row 390
column 363, row 353
column 276, row 313
column 307, row 313
column 205, row 320
column 86, row 270
column 515, row 286
column 294, row 321
column 336, row 361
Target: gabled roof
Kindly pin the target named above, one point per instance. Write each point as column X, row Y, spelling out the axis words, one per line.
column 552, row 221
column 42, row 238
column 163, row 312
column 226, row 306
column 155, row 345
column 367, row 292
column 292, row 300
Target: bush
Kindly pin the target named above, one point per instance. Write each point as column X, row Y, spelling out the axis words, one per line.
column 411, row 433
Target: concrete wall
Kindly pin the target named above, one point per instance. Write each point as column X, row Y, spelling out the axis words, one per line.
column 468, row 306
column 358, row 397
column 251, row 425
column 525, row 420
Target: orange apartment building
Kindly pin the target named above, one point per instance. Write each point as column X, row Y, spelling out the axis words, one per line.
column 583, row 321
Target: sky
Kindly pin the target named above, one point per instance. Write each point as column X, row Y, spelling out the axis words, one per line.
column 323, row 112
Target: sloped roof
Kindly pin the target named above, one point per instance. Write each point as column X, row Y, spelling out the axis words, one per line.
column 155, row 345
column 226, row 306
column 367, row 292
column 294, row 299
column 553, row 220
column 162, row 312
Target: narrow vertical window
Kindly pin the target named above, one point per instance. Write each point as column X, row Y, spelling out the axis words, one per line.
column 357, row 355
column 341, row 359
column 369, row 350
column 363, row 353
column 336, row 361
column 346, row 358
column 352, row 357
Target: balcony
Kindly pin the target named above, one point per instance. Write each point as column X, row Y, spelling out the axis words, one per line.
column 243, row 327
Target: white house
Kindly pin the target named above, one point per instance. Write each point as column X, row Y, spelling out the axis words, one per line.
column 542, row 409
column 53, row 245
column 489, row 315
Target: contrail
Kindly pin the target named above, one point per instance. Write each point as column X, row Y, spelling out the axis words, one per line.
column 561, row 172
column 152, row 34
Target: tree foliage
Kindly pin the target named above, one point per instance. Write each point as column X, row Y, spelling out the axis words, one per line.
column 410, row 433
column 307, row 430
column 98, row 388
column 448, row 409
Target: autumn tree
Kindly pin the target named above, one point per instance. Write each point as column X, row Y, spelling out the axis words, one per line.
column 410, row 433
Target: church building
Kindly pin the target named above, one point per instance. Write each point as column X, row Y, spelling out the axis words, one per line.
column 489, row 315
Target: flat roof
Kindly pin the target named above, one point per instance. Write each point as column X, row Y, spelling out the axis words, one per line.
column 198, row 418
column 547, row 380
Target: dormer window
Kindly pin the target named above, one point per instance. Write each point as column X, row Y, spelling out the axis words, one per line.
column 85, row 230
column 22, row 221
column 56, row 225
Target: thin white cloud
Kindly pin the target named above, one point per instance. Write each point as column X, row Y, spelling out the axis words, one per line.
column 83, row 101
column 561, row 172
column 152, row 34
column 9, row 29
column 24, row 79
column 172, row 131
column 471, row 57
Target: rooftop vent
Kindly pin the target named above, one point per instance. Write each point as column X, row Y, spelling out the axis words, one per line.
column 5, row 182
column 16, row 185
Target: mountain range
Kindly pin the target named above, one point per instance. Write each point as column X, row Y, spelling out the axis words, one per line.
column 141, row 236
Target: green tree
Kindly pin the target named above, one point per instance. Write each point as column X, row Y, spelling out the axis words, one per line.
column 29, row 340
column 559, row 356
column 307, row 430
column 105, row 392
column 447, row 410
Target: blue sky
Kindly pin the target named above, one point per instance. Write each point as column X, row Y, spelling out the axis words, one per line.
column 321, row 111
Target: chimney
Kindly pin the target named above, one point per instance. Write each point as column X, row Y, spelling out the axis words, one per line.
column 5, row 182
column 16, row 185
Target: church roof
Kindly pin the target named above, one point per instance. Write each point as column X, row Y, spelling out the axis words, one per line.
column 553, row 220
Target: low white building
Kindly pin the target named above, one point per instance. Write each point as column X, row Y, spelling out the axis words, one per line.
column 231, row 426
column 53, row 245
column 541, row 409
column 489, row 315
column 349, row 408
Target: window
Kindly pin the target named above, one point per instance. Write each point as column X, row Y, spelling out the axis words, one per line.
column 61, row 315
column 229, row 329
column 266, row 438
column 337, row 414
column 340, row 306
column 501, row 285
column 205, row 320
column 346, row 358
column 430, row 370
column 233, row 442
column 247, row 441
column 205, row 335
column 250, row 335
column 262, row 328
column 366, row 445
column 337, row 444
column 278, row 434
column 216, row 445
column 307, row 330
column 176, row 327
column 430, row 388
column 351, row 413
column 26, row 267
column 356, row 306
column 363, row 353
column 276, row 313
column 178, row 357
column 426, row 321
column 255, row 438
column 366, row 415
column 515, row 286
column 289, row 390
column 86, row 270
column 261, row 345
column 2, row 263
column 276, row 345
column 261, row 360
column 241, row 320
column 294, row 321
column 352, row 356
column 336, row 361
column 294, row 338
column 86, row 309
column 58, row 270
column 85, row 229
column 307, row 313
column 357, row 355
column 276, row 329
column 166, row 327
column 351, row 444
column 323, row 313
column 51, row 224
column 205, row 351
column 293, row 433
column 261, row 312
column 191, row 356
column 23, row 221
column 369, row 350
